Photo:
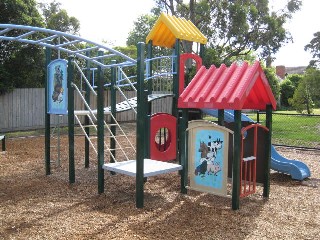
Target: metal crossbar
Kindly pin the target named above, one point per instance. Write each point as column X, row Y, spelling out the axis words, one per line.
column 67, row 43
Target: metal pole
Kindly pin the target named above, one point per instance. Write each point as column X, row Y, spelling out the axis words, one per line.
column 113, row 93
column 221, row 117
column 86, row 118
column 100, row 123
column 71, row 121
column 266, row 184
column 58, row 147
column 4, row 143
column 176, row 80
column 47, row 117
column 140, row 136
column 183, row 124
column 236, row 161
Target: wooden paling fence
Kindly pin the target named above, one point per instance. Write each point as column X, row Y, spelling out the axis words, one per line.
column 24, row 109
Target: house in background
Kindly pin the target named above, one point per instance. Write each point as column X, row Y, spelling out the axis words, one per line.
column 282, row 71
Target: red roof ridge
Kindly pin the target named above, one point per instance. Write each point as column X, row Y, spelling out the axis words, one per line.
column 236, row 87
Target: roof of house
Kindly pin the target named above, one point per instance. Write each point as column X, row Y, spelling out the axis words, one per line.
column 169, row 28
column 235, row 87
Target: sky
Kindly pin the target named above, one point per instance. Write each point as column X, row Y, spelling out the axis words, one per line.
column 112, row 20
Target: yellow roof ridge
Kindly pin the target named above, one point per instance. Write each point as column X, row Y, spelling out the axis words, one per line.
column 168, row 28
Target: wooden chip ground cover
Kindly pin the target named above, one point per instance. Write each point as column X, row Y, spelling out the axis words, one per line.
column 36, row 206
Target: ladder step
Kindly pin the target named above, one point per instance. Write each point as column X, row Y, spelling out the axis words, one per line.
column 120, row 148
column 89, row 125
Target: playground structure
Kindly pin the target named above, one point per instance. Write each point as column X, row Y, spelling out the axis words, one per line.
column 236, row 87
column 295, row 168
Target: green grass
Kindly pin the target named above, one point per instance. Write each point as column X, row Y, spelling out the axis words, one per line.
column 291, row 130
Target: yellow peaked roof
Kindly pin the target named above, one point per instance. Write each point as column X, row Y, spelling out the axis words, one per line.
column 169, row 28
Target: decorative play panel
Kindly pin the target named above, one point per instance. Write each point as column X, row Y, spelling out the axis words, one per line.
column 208, row 157
column 57, row 87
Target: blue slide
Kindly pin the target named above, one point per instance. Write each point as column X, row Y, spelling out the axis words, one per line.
column 298, row 170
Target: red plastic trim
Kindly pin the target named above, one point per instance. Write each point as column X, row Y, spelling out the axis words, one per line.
column 183, row 59
column 164, row 151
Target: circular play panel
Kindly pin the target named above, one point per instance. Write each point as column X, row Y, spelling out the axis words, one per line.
column 163, row 131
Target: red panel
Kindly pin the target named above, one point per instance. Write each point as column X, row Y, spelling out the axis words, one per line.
column 163, row 150
column 236, row 87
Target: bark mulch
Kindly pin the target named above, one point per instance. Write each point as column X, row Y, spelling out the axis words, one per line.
column 36, row 206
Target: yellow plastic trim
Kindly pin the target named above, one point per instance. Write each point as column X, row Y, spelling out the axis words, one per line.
column 169, row 28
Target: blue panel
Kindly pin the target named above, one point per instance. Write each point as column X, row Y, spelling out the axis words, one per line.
column 209, row 159
column 57, row 87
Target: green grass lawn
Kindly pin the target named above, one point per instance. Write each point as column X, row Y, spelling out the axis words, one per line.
column 292, row 130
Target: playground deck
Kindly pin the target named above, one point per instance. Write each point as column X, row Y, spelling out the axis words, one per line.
column 151, row 167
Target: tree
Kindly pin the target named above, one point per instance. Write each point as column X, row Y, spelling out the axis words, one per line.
column 237, row 27
column 295, row 79
column 19, row 64
column 273, row 81
column 58, row 19
column 141, row 29
column 286, row 92
column 302, row 100
column 312, row 78
column 22, row 65
column 314, row 48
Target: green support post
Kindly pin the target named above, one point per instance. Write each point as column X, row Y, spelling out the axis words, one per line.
column 71, row 120
column 236, row 161
column 100, row 127
column 266, row 184
column 147, row 133
column 221, row 117
column 150, row 56
column 113, row 93
column 86, row 119
column 183, row 125
column 140, row 135
column 176, row 68
column 47, row 117
column 202, row 50
column 3, row 143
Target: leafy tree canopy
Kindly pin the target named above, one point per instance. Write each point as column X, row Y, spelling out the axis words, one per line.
column 273, row 81
column 307, row 94
column 314, row 48
column 233, row 28
column 286, row 92
column 22, row 65
column 58, row 19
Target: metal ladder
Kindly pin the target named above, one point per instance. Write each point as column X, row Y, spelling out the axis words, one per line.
column 122, row 142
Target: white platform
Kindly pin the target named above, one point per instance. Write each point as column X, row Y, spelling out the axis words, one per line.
column 151, row 167
column 124, row 105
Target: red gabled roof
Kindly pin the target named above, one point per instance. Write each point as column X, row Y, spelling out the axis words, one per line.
column 235, row 87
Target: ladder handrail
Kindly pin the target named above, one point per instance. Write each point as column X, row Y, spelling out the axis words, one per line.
column 84, row 100
column 85, row 78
